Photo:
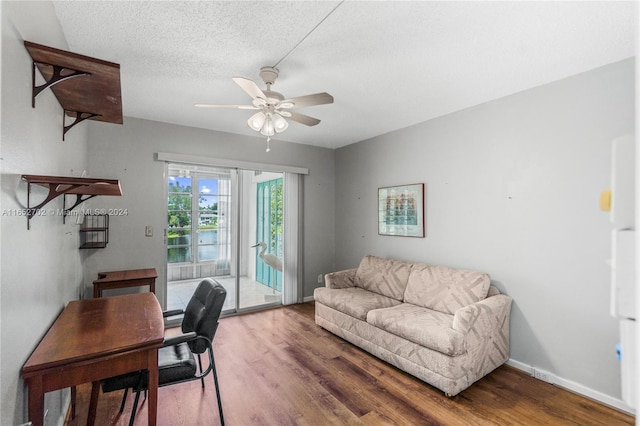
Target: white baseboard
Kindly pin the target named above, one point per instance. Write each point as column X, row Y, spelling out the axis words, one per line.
column 572, row 386
column 307, row 299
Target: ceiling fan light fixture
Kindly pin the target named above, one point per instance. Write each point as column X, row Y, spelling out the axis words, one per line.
column 279, row 123
column 268, row 128
column 256, row 121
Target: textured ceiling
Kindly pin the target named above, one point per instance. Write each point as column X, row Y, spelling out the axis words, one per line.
column 388, row 64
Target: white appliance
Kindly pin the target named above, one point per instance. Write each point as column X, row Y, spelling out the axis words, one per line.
column 620, row 201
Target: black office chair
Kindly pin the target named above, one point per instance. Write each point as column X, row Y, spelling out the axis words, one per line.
column 176, row 361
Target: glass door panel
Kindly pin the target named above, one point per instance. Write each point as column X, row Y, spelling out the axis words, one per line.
column 269, row 231
column 196, row 229
column 179, row 219
column 207, row 219
column 262, row 201
column 215, row 216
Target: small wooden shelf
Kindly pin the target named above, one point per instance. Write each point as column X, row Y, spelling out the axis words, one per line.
column 94, row 232
column 93, row 245
column 87, row 88
column 83, row 188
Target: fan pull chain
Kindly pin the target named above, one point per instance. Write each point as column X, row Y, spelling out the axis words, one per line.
column 268, row 140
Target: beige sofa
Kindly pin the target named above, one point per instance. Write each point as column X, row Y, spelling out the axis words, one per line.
column 448, row 327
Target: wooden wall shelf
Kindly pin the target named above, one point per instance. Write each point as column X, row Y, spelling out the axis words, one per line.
column 83, row 188
column 87, row 88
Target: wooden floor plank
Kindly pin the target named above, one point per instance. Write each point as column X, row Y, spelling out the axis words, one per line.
column 277, row 367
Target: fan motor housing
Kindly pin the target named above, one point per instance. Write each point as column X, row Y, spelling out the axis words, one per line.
column 269, row 75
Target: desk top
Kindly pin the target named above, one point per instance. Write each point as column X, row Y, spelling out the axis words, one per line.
column 133, row 274
column 93, row 328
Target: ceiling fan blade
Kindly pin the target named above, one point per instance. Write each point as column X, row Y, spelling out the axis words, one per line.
column 303, row 119
column 225, row 106
column 250, row 87
column 310, row 100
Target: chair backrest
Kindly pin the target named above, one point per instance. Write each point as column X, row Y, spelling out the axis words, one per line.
column 202, row 312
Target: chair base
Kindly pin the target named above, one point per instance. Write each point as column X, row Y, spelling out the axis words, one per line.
column 140, row 388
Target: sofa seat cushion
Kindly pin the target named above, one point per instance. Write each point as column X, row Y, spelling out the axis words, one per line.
column 445, row 289
column 353, row 301
column 383, row 276
column 425, row 327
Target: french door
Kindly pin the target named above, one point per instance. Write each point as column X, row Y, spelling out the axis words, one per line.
column 269, row 231
column 225, row 224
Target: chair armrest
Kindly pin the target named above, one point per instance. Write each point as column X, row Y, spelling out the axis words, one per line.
column 176, row 340
column 172, row 313
column 340, row 279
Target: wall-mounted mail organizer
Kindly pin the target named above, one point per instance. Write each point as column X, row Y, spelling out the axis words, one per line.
column 82, row 188
column 86, row 88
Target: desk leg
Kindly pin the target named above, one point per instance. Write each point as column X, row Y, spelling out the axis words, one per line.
column 153, row 386
column 74, row 395
column 36, row 401
column 93, row 403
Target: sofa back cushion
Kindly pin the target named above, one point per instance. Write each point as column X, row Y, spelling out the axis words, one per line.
column 383, row 276
column 445, row 289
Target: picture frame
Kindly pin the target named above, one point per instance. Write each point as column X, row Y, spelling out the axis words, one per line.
column 401, row 210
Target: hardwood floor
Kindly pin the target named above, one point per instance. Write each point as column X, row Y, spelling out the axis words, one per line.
column 277, row 367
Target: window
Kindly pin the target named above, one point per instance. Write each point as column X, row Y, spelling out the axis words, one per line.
column 197, row 226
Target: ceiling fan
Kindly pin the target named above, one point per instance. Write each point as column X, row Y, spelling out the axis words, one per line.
column 273, row 107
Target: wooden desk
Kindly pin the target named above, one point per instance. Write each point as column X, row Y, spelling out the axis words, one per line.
column 95, row 339
column 123, row 279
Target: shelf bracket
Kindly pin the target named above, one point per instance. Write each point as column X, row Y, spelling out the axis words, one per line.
column 53, row 193
column 79, row 200
column 80, row 116
column 57, row 77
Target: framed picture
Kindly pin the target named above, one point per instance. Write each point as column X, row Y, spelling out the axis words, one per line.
column 401, row 210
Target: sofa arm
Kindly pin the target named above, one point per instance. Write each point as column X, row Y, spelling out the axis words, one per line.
column 488, row 314
column 340, row 279
column 485, row 326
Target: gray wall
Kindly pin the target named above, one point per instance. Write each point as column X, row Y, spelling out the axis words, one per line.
column 512, row 189
column 128, row 153
column 41, row 268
